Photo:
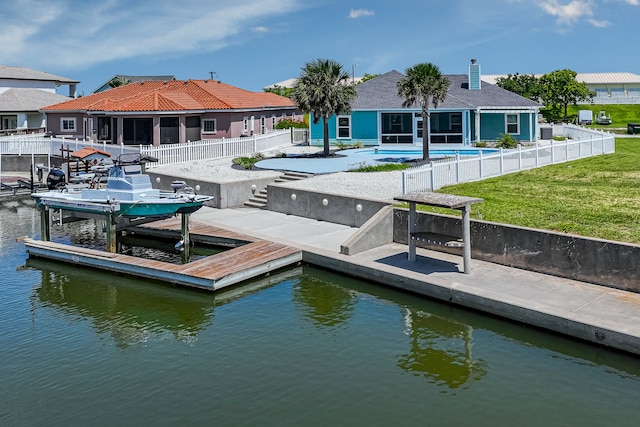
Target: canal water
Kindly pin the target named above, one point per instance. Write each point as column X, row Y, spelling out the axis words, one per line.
column 303, row 347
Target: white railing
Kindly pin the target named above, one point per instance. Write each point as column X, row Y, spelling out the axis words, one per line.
column 22, row 145
column 216, row 148
column 580, row 143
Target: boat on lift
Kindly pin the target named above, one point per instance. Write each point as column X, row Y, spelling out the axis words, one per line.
column 128, row 193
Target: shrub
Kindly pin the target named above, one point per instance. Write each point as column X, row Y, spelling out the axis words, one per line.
column 507, row 141
column 290, row 123
column 481, row 144
column 247, row 162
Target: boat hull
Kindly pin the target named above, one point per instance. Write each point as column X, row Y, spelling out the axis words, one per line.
column 161, row 207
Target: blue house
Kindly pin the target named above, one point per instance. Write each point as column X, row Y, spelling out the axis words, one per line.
column 473, row 111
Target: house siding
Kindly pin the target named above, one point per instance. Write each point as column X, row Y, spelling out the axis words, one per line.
column 492, row 127
column 364, row 129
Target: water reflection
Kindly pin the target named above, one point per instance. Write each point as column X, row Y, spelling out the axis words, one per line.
column 324, row 303
column 133, row 311
column 440, row 350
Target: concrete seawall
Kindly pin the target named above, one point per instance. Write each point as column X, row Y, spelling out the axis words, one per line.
column 603, row 262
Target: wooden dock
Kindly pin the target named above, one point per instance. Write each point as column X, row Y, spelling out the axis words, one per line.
column 252, row 258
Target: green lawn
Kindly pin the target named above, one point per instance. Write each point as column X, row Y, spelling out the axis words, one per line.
column 595, row 197
column 621, row 114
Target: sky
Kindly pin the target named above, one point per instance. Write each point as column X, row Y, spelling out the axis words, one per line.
column 252, row 44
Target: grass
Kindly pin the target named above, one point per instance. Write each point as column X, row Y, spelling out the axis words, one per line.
column 594, row 197
column 384, row 167
column 621, row 114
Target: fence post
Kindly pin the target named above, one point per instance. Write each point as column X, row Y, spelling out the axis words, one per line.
column 566, row 149
column 457, row 168
column 404, row 180
column 501, row 161
column 537, row 154
column 519, row 157
column 432, row 175
column 481, row 165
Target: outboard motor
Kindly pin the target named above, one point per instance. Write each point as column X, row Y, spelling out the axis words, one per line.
column 55, row 178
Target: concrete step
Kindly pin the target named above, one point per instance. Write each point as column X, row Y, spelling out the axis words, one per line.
column 259, row 199
column 252, row 204
column 299, row 175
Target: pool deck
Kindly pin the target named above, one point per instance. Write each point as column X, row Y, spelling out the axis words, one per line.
column 598, row 314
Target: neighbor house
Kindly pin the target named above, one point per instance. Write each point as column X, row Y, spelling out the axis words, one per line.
column 176, row 111
column 131, row 79
column 473, row 111
column 609, row 88
column 23, row 92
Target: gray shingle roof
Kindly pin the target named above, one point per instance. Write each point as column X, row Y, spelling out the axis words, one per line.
column 381, row 93
column 27, row 100
column 21, row 73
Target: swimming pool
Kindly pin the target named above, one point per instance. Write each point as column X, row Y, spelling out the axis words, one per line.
column 432, row 153
column 351, row 159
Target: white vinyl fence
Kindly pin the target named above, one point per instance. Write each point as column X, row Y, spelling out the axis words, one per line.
column 216, row 148
column 579, row 143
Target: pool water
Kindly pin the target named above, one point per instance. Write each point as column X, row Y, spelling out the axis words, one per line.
column 432, row 153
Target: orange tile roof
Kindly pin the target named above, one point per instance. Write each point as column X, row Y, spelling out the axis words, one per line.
column 175, row 95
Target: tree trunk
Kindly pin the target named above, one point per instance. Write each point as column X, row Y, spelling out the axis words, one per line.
column 426, row 138
column 325, row 122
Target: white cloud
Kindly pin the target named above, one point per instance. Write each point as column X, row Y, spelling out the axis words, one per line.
column 570, row 13
column 599, row 24
column 359, row 13
column 80, row 34
column 574, row 11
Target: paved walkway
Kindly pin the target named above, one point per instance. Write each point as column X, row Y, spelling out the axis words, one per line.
column 594, row 313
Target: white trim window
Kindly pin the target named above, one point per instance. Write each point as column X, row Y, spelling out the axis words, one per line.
column 245, row 125
column 343, row 127
column 67, row 124
column 512, row 124
column 263, row 124
column 274, row 122
column 209, row 126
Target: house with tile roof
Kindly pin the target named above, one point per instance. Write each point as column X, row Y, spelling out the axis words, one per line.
column 23, row 92
column 473, row 111
column 176, row 111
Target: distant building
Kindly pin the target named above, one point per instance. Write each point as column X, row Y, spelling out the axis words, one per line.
column 132, row 79
column 174, row 111
column 23, row 92
column 290, row 83
column 610, row 88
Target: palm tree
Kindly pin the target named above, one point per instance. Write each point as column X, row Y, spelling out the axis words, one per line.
column 425, row 85
column 323, row 89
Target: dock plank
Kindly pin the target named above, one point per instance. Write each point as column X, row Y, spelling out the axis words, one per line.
column 213, row 272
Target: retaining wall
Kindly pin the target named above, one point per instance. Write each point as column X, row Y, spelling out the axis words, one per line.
column 227, row 194
column 333, row 208
column 17, row 163
column 598, row 261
